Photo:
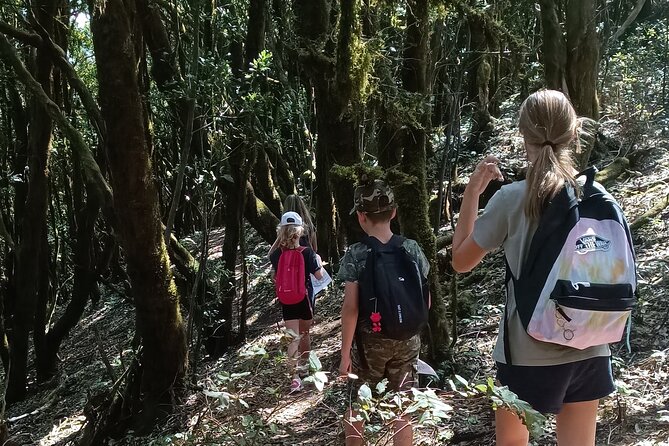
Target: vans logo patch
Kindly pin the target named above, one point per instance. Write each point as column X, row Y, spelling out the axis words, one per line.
column 592, row 242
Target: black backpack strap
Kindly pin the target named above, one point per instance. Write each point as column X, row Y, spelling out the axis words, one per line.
column 507, row 344
column 589, row 175
column 361, row 350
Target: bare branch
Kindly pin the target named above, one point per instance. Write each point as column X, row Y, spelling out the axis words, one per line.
column 630, row 19
column 92, row 174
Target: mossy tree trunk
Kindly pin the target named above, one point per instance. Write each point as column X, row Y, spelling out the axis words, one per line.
column 413, row 196
column 553, row 49
column 260, row 217
column 263, row 184
column 571, row 55
column 583, row 56
column 329, row 75
column 31, row 249
column 159, row 323
column 480, row 73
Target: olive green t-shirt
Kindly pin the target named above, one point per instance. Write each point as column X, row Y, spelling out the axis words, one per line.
column 504, row 223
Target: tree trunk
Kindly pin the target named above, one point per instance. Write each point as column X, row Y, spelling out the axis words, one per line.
column 583, row 56
column 159, row 322
column 263, row 184
column 260, row 217
column 34, row 227
column 331, row 80
column 553, row 48
column 255, row 32
column 84, row 280
column 413, row 197
column 480, row 71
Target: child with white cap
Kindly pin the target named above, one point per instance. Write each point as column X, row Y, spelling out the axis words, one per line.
column 292, row 264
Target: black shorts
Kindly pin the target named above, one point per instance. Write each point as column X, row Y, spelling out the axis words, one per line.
column 547, row 388
column 302, row 310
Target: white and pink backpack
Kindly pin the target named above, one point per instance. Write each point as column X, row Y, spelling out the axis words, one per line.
column 577, row 284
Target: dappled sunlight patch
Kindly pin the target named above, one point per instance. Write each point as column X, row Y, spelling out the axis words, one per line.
column 65, row 428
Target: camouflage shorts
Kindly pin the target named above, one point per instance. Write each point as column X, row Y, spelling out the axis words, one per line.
column 387, row 358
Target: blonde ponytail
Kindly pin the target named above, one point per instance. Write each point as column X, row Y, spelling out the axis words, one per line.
column 548, row 123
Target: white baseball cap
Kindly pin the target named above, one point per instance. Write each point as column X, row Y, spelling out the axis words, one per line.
column 291, row 218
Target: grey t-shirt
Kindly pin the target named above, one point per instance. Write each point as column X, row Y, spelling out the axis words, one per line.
column 503, row 223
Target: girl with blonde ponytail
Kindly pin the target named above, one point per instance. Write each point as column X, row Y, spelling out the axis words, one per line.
column 548, row 124
column 551, row 377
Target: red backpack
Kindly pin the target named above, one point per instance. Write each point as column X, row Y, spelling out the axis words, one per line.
column 290, row 278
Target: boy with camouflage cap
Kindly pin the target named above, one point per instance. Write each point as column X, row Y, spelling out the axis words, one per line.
column 381, row 357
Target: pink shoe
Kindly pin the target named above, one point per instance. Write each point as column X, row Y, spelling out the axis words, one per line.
column 295, row 385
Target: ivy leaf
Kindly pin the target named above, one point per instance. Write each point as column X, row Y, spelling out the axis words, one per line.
column 314, row 363
column 365, row 393
column 223, row 397
column 319, row 379
column 462, row 380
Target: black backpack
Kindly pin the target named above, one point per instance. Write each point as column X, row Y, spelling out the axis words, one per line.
column 393, row 295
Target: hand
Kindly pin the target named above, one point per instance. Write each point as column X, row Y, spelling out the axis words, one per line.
column 486, row 171
column 345, row 366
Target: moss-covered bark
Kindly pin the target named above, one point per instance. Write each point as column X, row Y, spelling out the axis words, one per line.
column 583, row 56
column 263, row 184
column 412, row 195
column 260, row 216
column 553, row 49
column 328, row 65
column 31, row 249
column 159, row 323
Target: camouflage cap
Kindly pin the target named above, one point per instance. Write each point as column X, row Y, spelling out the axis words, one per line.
column 373, row 198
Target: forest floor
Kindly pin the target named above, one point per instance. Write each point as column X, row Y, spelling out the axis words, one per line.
column 242, row 398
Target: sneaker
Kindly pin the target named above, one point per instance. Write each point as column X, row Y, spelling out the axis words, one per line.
column 296, row 385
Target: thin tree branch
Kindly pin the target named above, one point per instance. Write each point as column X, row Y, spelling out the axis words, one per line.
column 60, row 59
column 630, row 19
column 91, row 170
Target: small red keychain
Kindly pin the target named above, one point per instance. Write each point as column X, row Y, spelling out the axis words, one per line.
column 376, row 321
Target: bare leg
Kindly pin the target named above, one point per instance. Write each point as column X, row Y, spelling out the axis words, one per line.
column 577, row 423
column 294, row 325
column 353, row 429
column 403, row 432
column 305, row 340
column 509, row 430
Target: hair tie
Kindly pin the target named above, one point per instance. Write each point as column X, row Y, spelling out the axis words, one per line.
column 548, row 143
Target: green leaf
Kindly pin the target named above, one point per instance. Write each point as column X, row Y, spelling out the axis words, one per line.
column 462, row 380
column 481, row 388
column 222, row 397
column 314, row 363
column 365, row 393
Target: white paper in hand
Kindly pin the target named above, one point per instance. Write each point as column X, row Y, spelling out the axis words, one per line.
column 425, row 369
column 320, row 285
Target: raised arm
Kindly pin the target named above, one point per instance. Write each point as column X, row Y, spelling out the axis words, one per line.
column 466, row 253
